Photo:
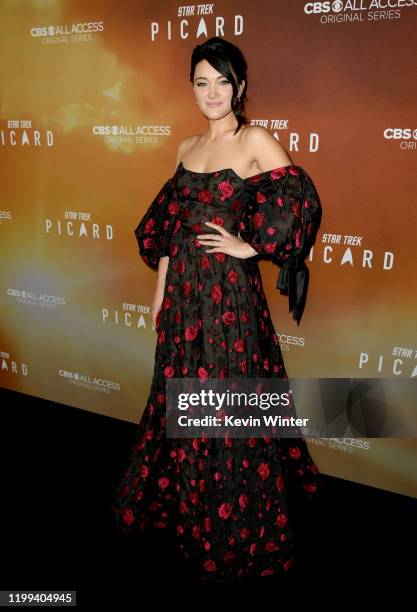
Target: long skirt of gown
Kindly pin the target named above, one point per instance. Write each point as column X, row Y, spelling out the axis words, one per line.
column 226, row 499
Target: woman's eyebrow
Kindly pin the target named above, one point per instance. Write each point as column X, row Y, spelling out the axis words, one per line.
column 219, row 77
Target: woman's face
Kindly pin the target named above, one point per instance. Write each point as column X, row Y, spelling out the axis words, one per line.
column 213, row 91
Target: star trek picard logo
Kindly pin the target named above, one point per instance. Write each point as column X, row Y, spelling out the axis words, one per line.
column 345, row 249
column 195, row 20
column 400, row 362
column 77, row 224
column 20, row 133
column 10, row 366
column 135, row 316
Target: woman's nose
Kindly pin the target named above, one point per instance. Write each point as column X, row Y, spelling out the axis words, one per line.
column 213, row 92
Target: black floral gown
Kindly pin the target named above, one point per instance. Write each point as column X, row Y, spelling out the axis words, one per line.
column 225, row 498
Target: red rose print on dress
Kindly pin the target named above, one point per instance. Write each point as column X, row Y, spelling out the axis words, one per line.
column 210, row 565
column 191, row 333
column 128, row 516
column 205, row 196
column 226, row 190
column 294, row 452
column 225, row 510
column 228, row 317
column 264, row 471
column 281, row 520
column 163, row 482
column 216, row 293
column 243, row 502
column 225, row 498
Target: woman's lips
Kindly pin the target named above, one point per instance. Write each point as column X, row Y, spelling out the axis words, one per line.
column 212, row 104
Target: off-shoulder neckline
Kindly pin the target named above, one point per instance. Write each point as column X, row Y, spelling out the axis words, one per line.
column 243, row 180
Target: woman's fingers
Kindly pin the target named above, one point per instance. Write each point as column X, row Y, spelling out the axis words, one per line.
column 219, row 230
column 207, row 236
column 155, row 317
column 228, row 243
column 218, row 227
column 213, row 237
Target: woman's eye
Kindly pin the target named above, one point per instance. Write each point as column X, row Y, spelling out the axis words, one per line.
column 221, row 83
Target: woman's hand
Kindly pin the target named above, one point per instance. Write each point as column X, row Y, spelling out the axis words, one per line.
column 229, row 244
column 156, row 305
column 158, row 297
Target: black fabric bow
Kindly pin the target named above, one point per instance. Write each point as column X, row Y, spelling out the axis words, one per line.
column 293, row 281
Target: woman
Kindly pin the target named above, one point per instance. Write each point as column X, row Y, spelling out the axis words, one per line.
column 235, row 195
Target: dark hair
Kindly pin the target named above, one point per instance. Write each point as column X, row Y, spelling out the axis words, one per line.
column 224, row 56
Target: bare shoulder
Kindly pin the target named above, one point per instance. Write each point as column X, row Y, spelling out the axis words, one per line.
column 185, row 145
column 257, row 134
column 266, row 149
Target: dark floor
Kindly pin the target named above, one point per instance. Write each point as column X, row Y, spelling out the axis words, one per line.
column 60, row 467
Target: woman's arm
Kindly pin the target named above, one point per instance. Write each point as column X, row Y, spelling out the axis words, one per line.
column 164, row 261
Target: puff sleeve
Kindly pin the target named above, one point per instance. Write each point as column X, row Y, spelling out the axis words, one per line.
column 281, row 216
column 157, row 227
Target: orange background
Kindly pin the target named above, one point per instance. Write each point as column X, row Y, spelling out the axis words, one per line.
column 346, row 82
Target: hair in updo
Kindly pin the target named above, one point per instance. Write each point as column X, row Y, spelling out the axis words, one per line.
column 225, row 57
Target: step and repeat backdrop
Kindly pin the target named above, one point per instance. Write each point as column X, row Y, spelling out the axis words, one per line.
column 95, row 97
